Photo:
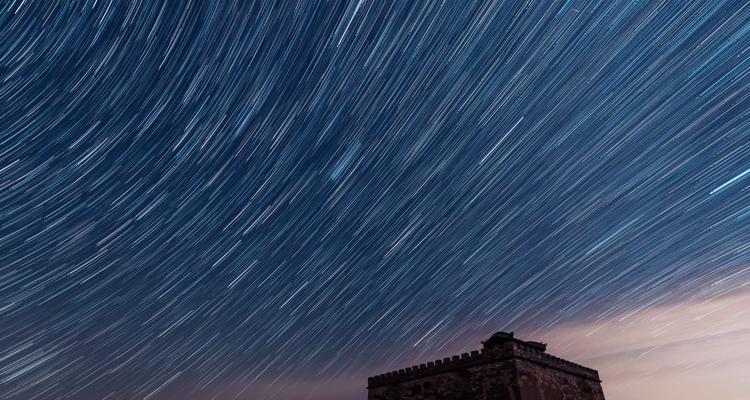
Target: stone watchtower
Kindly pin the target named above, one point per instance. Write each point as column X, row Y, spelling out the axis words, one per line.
column 505, row 369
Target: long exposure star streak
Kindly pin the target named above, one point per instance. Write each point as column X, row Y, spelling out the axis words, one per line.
column 275, row 200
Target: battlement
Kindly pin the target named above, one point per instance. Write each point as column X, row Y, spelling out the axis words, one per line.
column 500, row 347
column 433, row 367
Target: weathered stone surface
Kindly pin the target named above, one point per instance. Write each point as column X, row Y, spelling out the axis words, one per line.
column 505, row 369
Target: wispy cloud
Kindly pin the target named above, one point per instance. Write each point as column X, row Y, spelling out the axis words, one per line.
column 687, row 351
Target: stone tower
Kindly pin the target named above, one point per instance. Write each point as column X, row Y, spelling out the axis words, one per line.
column 505, row 369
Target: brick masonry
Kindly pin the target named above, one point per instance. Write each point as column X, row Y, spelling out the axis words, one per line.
column 505, row 369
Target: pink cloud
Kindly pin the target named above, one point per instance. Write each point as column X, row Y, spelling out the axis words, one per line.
column 688, row 351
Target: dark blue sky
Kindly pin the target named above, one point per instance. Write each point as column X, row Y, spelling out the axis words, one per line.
column 260, row 200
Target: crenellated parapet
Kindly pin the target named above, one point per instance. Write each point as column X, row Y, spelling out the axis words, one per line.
column 500, row 347
column 447, row 364
column 545, row 359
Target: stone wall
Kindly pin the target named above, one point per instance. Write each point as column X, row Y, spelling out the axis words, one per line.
column 486, row 381
column 511, row 370
column 537, row 383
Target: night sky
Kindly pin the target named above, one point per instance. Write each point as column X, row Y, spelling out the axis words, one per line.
column 257, row 200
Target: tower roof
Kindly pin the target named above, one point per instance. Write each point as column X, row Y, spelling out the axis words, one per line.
column 500, row 338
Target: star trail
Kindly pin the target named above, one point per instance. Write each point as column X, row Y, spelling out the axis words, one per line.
column 275, row 200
